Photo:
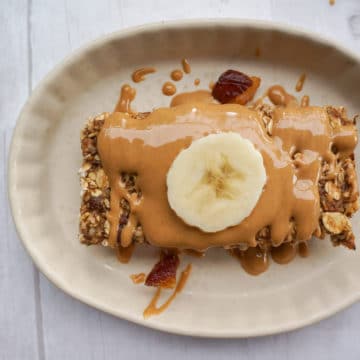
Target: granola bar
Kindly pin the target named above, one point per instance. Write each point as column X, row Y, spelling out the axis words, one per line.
column 338, row 191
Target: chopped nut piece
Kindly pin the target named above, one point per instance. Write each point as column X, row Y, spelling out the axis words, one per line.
column 333, row 190
column 335, row 222
column 269, row 127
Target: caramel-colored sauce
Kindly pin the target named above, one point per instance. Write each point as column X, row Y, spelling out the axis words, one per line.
column 284, row 253
column 201, row 96
column 169, row 88
column 138, row 278
column 253, row 260
column 211, row 85
column 139, row 74
column 176, row 75
column 257, row 52
column 152, row 308
column 124, row 254
column 127, row 95
column 278, row 96
column 191, row 252
column 300, row 83
column 150, row 145
column 197, row 82
column 186, row 66
column 303, row 249
column 256, row 261
column 305, row 101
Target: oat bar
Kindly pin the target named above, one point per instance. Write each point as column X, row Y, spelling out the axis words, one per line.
column 337, row 190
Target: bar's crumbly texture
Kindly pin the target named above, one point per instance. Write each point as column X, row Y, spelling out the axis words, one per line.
column 338, row 191
column 95, row 190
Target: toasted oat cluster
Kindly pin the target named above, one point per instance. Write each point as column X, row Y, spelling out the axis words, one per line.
column 338, row 191
column 338, row 188
column 95, row 190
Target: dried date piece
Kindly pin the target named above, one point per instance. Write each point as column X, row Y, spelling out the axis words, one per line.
column 163, row 274
column 235, row 87
column 248, row 94
column 96, row 203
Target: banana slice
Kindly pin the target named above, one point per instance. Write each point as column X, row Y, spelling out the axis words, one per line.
column 216, row 182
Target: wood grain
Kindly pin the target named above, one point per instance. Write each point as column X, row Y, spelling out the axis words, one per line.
column 18, row 306
column 38, row 321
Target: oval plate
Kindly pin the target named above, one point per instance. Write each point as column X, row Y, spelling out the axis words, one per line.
column 220, row 299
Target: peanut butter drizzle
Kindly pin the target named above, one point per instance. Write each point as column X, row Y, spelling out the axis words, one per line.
column 284, row 253
column 139, row 74
column 278, row 96
column 305, row 101
column 124, row 254
column 149, row 146
column 152, row 308
column 300, row 83
column 191, row 252
column 138, row 278
column 127, row 95
column 169, row 88
column 197, row 82
column 176, row 75
column 253, row 260
column 256, row 261
column 201, row 96
column 303, row 249
column 186, row 66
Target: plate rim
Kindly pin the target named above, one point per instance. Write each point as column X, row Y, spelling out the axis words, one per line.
column 124, row 33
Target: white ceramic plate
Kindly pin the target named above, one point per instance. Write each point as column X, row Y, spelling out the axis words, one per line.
column 220, row 299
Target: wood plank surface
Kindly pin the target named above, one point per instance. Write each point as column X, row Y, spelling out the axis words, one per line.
column 38, row 321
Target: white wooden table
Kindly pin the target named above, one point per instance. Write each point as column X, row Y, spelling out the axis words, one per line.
column 38, row 321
